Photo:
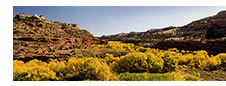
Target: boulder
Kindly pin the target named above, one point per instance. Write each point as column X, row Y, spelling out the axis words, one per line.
column 35, row 16
column 42, row 17
column 21, row 16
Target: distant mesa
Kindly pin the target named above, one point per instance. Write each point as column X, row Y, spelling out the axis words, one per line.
column 202, row 30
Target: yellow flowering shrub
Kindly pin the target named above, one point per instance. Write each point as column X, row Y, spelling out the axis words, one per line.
column 222, row 57
column 74, row 69
column 185, row 59
column 155, row 63
column 137, row 61
column 157, row 52
column 33, row 70
column 213, row 62
column 89, row 69
column 133, row 62
column 170, row 59
column 109, row 58
column 117, row 45
column 200, row 59
column 58, row 67
column 174, row 50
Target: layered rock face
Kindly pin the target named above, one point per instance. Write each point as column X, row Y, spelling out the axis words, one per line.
column 219, row 19
column 35, row 36
column 202, row 34
column 201, row 30
column 212, row 27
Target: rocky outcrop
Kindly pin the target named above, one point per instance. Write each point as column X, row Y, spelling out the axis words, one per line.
column 35, row 36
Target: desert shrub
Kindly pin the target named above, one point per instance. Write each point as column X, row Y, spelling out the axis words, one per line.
column 73, row 69
column 138, row 63
column 155, row 63
column 174, row 50
column 133, row 76
column 109, row 58
column 117, row 45
column 98, row 52
column 88, row 68
column 170, row 59
column 213, row 62
column 58, row 67
column 185, row 59
column 112, row 62
column 200, row 59
column 156, row 52
column 222, row 57
column 115, row 57
column 34, row 70
column 133, row 62
column 115, row 52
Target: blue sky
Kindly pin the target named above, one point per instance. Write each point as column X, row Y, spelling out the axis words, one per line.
column 106, row 20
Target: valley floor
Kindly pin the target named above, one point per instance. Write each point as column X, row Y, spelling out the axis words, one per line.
column 118, row 61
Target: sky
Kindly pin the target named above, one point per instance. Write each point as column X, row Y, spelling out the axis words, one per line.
column 108, row 20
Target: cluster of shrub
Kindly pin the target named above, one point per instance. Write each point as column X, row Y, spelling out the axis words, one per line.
column 140, row 64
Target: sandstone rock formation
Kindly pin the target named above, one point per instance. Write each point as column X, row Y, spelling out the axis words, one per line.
column 35, row 36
